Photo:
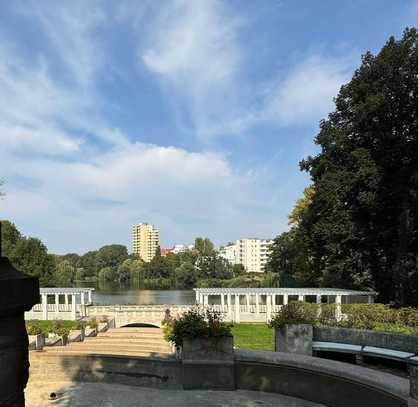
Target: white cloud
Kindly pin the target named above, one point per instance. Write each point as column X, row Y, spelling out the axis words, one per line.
column 307, row 93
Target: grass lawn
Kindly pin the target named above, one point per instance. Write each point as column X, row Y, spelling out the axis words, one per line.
column 253, row 336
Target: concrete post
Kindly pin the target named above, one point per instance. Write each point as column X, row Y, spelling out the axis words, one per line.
column 229, row 302
column 257, row 304
column 338, row 307
column 57, row 303
column 285, row 299
column 413, row 378
column 205, row 300
column 318, row 299
column 268, row 306
column 273, row 302
column 44, row 307
column 82, row 299
column 237, row 310
column 73, row 307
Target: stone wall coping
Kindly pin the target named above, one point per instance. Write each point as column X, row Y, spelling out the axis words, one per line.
column 364, row 376
column 414, row 360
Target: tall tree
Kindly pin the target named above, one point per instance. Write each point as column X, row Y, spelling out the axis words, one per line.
column 362, row 224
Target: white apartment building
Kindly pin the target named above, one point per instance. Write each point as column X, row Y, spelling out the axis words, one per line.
column 181, row 248
column 145, row 241
column 251, row 253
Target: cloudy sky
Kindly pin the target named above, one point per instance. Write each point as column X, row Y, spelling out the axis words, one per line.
column 188, row 114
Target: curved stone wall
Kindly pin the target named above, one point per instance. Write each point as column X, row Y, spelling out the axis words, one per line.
column 319, row 380
column 363, row 337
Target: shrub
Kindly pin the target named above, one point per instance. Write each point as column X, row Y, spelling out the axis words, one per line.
column 295, row 313
column 61, row 328
column 195, row 324
column 33, row 328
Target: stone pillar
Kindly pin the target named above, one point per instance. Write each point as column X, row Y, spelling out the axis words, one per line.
column 18, row 293
column 205, row 300
column 285, row 299
column 338, row 307
column 73, row 307
column 257, row 304
column 44, row 307
column 273, row 302
column 268, row 306
column 237, row 310
column 82, row 299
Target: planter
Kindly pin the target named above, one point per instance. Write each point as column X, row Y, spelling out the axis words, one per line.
column 36, row 342
column 294, row 339
column 208, row 363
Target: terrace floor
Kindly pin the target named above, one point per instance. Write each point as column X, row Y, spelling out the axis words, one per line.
column 113, row 395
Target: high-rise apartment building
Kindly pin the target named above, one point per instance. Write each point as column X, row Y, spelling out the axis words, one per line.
column 251, row 253
column 145, row 241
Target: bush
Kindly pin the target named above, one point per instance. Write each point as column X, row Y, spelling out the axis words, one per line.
column 62, row 328
column 195, row 324
column 295, row 313
column 33, row 328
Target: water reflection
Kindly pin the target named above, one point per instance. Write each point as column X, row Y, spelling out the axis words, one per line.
column 108, row 293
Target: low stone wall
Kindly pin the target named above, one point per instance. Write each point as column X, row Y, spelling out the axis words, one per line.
column 322, row 381
column 404, row 343
column 134, row 371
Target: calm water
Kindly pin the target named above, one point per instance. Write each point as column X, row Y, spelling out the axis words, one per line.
column 108, row 294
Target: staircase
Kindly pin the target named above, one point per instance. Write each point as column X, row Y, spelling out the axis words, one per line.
column 120, row 341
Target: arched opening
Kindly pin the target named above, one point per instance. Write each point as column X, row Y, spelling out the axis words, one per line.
column 139, row 325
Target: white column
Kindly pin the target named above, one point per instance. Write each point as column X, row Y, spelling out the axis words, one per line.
column 44, row 307
column 268, row 306
column 301, row 297
column 90, row 299
column 370, row 299
column 206, row 300
column 229, row 302
column 338, row 307
column 73, row 307
column 222, row 302
column 247, row 300
column 82, row 299
column 285, row 299
column 66, row 302
column 201, row 299
column 257, row 304
column 57, row 302
column 197, row 296
column 237, row 316
column 318, row 299
column 273, row 302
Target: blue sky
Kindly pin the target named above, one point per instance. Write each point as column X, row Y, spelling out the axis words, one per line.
column 191, row 115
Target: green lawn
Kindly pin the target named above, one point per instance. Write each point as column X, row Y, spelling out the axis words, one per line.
column 253, row 336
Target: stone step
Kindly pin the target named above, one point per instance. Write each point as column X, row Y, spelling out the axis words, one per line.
column 70, row 351
column 133, row 347
column 135, row 330
column 127, row 343
column 132, row 334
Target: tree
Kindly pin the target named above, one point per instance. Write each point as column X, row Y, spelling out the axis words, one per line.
column 28, row 255
column 238, row 270
column 362, row 223
column 185, row 276
column 108, row 274
column 302, row 205
column 111, row 256
column 204, row 246
column 65, row 274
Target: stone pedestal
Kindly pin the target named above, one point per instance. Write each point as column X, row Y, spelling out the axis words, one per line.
column 208, row 363
column 18, row 293
column 294, row 339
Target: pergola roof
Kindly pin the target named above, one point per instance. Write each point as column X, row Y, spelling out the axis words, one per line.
column 281, row 291
column 58, row 290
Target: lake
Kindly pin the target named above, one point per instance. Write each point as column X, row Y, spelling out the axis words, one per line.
column 109, row 293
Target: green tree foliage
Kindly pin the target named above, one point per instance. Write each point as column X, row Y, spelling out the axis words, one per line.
column 302, row 205
column 185, row 276
column 65, row 274
column 111, row 256
column 27, row 254
column 204, row 246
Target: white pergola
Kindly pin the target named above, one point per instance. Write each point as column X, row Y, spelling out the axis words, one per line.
column 273, row 298
column 80, row 297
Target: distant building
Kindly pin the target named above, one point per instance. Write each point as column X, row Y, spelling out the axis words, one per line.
column 251, row 253
column 145, row 241
column 181, row 248
column 166, row 250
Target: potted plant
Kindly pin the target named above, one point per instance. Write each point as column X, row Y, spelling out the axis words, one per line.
column 293, row 327
column 205, row 345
